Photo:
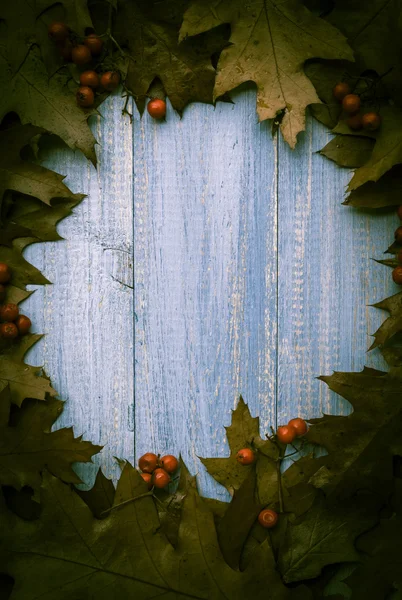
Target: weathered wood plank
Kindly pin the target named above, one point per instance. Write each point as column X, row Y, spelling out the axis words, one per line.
column 326, row 278
column 205, row 277
column 87, row 313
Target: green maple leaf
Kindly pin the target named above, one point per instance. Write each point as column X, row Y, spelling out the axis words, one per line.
column 149, row 31
column 393, row 324
column 28, row 446
column 126, row 552
column 270, row 42
column 384, row 192
column 348, row 150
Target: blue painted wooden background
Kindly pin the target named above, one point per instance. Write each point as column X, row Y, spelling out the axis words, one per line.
column 208, row 260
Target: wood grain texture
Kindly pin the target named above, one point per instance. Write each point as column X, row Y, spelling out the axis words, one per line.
column 249, row 276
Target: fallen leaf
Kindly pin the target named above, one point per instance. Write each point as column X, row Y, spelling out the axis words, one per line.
column 384, row 192
column 286, row 35
column 348, row 151
column 100, row 497
column 391, row 325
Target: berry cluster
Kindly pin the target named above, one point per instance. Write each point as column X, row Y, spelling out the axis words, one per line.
column 295, row 428
column 397, row 272
column 351, row 104
column 81, row 53
column 12, row 323
column 156, row 470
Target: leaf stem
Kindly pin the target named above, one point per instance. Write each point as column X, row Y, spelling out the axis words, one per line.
column 150, row 493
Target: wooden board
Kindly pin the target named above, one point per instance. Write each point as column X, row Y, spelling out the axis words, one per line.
column 208, row 260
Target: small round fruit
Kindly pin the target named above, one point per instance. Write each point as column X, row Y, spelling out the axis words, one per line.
column 94, row 44
column 23, row 324
column 371, row 121
column 341, row 90
column 58, row 31
column 110, row 80
column 268, row 518
column 351, row 103
column 147, row 477
column 5, row 273
column 355, row 122
column 90, row 79
column 399, row 212
column 160, row 478
column 148, row 462
column 398, row 235
column 9, row 312
column 81, row 55
column 156, row 108
column 85, row 96
column 286, row 434
column 299, row 425
column 245, row 456
column 2, row 292
column 397, row 275
column 8, row 330
column 169, row 463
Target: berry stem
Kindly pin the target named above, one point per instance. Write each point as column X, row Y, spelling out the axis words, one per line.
column 150, row 493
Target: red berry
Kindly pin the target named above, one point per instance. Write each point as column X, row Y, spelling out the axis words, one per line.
column 8, row 330
column 110, row 80
column 399, row 212
column 341, row 90
column 245, row 456
column 397, row 275
column 286, row 434
column 160, row 478
column 398, row 235
column 2, row 292
column 58, row 31
column 81, row 55
column 371, row 121
column 147, row 477
column 355, row 122
column 85, row 96
column 5, row 273
column 94, row 43
column 89, row 79
column 268, row 518
column 299, row 425
column 351, row 103
column 156, row 108
column 148, row 462
column 9, row 312
column 169, row 463
column 23, row 324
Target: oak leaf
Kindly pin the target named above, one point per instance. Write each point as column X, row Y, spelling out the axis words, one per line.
column 269, row 44
column 384, row 192
column 393, row 324
column 348, row 150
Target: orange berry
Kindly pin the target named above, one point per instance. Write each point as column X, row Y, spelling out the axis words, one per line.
column 147, row 477
column 397, row 275
column 89, row 79
column 9, row 312
column 148, row 462
column 8, row 330
column 85, row 96
column 341, row 90
column 160, row 478
column 81, row 55
column 156, row 108
column 286, row 434
column 355, row 122
column 58, row 31
column 169, row 463
column 5, row 273
column 245, row 456
column 94, row 43
column 299, row 425
column 110, row 80
column 268, row 518
column 371, row 121
column 398, row 235
column 351, row 103
column 23, row 324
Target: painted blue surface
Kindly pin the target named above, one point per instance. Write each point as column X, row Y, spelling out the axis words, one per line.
column 208, row 260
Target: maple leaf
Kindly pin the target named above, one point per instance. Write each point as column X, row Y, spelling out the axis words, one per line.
column 28, row 445
column 270, row 43
column 126, row 552
column 348, row 150
column 149, row 30
column 45, row 103
column 391, row 325
column 384, row 192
